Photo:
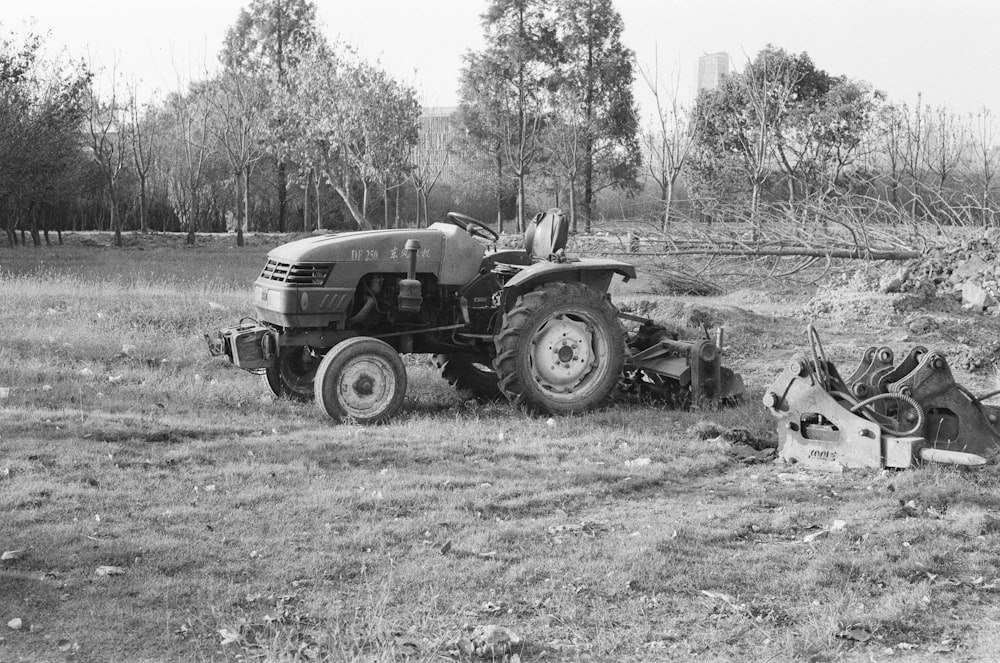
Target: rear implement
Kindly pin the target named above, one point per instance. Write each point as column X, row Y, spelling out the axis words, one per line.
column 881, row 416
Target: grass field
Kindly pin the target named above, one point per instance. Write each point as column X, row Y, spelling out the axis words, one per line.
column 160, row 505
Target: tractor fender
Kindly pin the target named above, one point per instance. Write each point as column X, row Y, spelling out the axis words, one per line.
column 592, row 272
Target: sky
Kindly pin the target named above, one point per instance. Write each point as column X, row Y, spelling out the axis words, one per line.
column 948, row 51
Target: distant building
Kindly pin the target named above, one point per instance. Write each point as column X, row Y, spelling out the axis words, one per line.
column 712, row 68
column 438, row 131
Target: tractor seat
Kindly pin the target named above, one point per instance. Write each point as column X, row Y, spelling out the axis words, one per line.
column 546, row 235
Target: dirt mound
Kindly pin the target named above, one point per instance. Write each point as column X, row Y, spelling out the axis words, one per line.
column 675, row 314
column 968, row 272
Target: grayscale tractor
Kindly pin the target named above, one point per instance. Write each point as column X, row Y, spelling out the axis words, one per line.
column 335, row 312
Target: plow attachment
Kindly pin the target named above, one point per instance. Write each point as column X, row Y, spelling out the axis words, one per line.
column 682, row 373
column 882, row 415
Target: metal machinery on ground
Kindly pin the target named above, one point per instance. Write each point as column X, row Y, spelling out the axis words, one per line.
column 334, row 312
column 882, row 415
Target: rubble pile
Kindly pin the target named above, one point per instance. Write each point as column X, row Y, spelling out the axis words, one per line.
column 968, row 273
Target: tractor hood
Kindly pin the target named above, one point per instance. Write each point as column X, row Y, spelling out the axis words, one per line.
column 361, row 246
column 446, row 251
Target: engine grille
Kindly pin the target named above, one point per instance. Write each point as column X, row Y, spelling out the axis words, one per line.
column 303, row 274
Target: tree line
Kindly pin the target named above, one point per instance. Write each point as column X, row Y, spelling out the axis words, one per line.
column 297, row 133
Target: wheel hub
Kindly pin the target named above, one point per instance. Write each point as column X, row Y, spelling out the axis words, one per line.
column 562, row 353
column 366, row 384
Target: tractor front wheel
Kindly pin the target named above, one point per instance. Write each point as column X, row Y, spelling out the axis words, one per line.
column 361, row 380
column 560, row 349
column 294, row 373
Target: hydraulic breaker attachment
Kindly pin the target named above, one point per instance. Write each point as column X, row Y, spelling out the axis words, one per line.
column 955, row 419
column 928, row 418
column 683, row 373
column 814, row 428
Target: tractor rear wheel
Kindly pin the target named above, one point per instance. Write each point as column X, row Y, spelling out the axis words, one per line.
column 560, row 349
column 362, row 380
column 293, row 374
column 472, row 377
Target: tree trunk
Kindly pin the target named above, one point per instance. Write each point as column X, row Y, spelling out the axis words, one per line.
column 754, row 204
column 306, row 221
column 859, row 253
column 588, row 184
column 33, row 226
column 319, row 217
column 246, row 198
column 282, row 196
column 385, row 205
column 520, row 201
column 396, row 204
column 143, row 207
column 344, row 192
column 668, row 201
column 499, row 188
column 572, row 206
column 364, row 197
column 240, row 218
column 116, row 222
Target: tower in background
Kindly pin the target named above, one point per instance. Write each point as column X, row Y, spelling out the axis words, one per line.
column 712, row 68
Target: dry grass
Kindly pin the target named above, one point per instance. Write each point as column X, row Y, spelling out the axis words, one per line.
column 254, row 529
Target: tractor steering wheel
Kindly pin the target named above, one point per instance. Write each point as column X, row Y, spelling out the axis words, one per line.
column 474, row 227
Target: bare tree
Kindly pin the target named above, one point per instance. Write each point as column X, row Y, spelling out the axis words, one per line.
column 669, row 139
column 188, row 165
column 891, row 128
column 986, row 155
column 238, row 101
column 914, row 138
column 428, row 166
column 142, row 134
column 108, row 139
column 944, row 146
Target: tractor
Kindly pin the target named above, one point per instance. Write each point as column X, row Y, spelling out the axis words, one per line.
column 335, row 312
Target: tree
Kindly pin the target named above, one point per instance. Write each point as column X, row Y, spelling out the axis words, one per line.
column 830, row 131
column 142, row 134
column 428, row 161
column 668, row 141
column 783, row 114
column 595, row 68
column 387, row 116
column 239, row 105
column 188, row 163
column 914, row 140
column 109, row 142
column 330, row 117
column 266, row 41
column 485, row 119
column 516, row 68
column 986, row 158
column 741, row 118
column 564, row 140
column 41, row 112
column 891, row 131
column 944, row 146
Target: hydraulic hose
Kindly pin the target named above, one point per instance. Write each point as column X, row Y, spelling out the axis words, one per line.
column 861, row 407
